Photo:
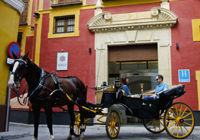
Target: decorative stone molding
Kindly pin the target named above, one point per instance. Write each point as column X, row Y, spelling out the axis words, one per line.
column 156, row 18
column 98, row 8
column 16, row 4
column 98, row 4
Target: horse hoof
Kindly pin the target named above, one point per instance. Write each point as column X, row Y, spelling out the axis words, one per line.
column 34, row 138
column 51, row 137
column 69, row 138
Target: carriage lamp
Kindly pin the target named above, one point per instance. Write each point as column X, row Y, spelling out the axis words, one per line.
column 117, row 83
column 32, row 28
column 90, row 50
column 36, row 15
column 177, row 46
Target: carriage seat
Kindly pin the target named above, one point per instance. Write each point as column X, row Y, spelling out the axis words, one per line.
column 177, row 90
column 121, row 93
column 170, row 88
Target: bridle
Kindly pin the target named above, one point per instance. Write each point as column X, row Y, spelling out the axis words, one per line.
column 19, row 78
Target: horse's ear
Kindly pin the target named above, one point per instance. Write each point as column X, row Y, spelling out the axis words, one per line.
column 15, row 57
column 25, row 56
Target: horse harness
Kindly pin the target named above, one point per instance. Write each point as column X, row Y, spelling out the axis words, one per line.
column 58, row 89
column 41, row 86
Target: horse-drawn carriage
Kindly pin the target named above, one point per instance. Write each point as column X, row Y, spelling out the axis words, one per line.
column 47, row 90
column 157, row 115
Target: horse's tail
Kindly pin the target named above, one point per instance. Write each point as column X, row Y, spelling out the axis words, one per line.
column 80, row 87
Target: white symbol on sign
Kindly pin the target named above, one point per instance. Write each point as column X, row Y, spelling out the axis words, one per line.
column 184, row 74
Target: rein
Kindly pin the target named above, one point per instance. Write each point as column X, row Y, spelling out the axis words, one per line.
column 19, row 97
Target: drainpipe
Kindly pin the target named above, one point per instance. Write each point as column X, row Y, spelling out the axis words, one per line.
column 8, row 109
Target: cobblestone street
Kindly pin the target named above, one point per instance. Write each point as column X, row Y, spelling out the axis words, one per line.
column 97, row 132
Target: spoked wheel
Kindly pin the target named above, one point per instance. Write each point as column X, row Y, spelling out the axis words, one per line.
column 77, row 126
column 112, row 124
column 154, row 125
column 181, row 120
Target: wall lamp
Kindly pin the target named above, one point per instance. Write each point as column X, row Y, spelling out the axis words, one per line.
column 32, row 28
column 90, row 50
column 177, row 46
column 36, row 15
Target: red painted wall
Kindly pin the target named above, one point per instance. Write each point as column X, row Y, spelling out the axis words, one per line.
column 30, row 47
column 187, row 57
column 80, row 62
column 46, row 4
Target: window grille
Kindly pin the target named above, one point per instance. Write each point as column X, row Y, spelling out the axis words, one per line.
column 19, row 38
column 66, row 1
column 64, row 24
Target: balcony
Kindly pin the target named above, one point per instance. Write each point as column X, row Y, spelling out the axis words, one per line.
column 23, row 17
column 59, row 3
column 23, row 20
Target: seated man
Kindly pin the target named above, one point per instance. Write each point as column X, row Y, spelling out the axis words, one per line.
column 159, row 89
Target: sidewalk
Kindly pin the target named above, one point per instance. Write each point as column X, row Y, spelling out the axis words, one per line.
column 20, row 131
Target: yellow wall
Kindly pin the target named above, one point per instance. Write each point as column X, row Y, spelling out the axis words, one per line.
column 195, row 29
column 198, row 87
column 8, row 33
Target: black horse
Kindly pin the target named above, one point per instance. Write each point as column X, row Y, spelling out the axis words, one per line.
column 46, row 90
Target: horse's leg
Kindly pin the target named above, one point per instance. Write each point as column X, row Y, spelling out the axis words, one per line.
column 36, row 113
column 82, row 124
column 48, row 113
column 72, row 118
column 82, row 111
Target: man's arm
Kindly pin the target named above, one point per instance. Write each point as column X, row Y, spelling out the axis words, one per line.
column 165, row 88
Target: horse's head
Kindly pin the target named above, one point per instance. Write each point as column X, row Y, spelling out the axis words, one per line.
column 18, row 70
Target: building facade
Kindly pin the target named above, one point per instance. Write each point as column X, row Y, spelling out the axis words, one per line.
column 109, row 38
column 10, row 12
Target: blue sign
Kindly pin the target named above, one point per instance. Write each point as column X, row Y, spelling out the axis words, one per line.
column 14, row 48
column 184, row 75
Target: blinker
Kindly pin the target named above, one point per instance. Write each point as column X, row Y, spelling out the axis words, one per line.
column 11, row 67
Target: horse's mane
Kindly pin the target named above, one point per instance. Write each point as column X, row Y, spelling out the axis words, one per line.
column 36, row 66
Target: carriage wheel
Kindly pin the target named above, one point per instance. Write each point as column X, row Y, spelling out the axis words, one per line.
column 181, row 120
column 112, row 124
column 77, row 123
column 154, row 125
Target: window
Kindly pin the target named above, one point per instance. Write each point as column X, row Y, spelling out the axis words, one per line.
column 19, row 38
column 64, row 24
column 56, row 15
